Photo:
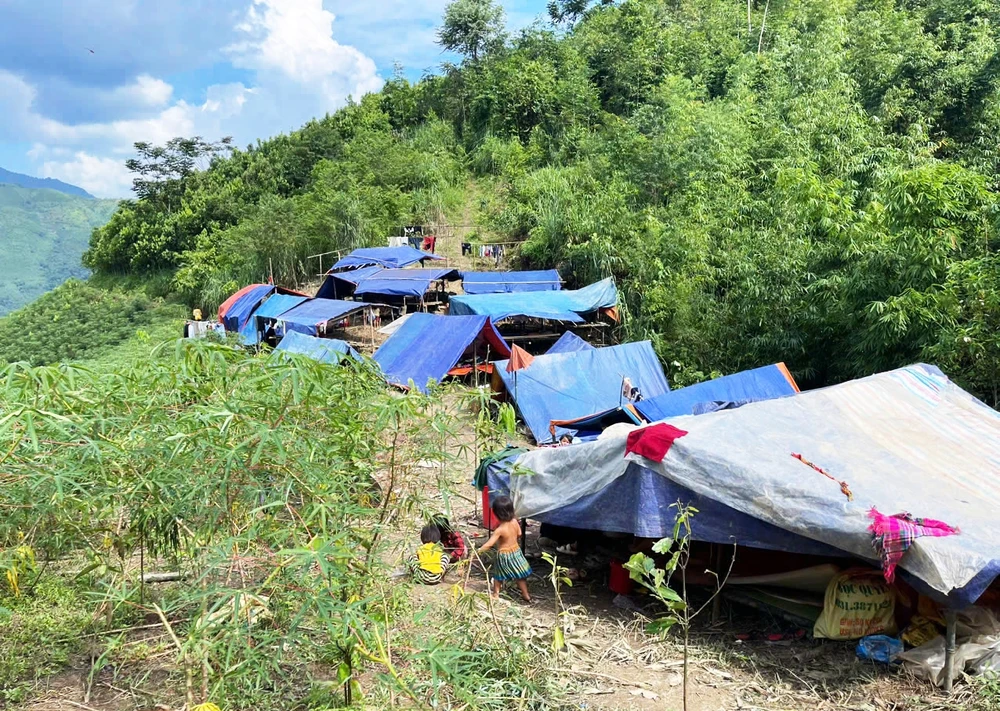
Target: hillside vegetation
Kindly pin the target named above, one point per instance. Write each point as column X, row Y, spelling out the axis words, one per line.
column 43, row 234
column 817, row 186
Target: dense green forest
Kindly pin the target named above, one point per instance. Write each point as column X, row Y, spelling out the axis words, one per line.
column 42, row 235
column 813, row 182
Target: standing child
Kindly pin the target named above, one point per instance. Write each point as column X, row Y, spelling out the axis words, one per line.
column 430, row 562
column 511, row 563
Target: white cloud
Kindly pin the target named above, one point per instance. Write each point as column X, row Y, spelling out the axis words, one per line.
column 295, row 38
column 103, row 177
column 299, row 72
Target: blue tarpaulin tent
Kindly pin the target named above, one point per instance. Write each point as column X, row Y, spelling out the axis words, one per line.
column 567, row 343
column 235, row 310
column 337, row 285
column 308, row 316
column 579, row 383
column 390, row 257
column 276, row 305
column 510, row 282
column 403, row 282
column 765, row 383
column 325, row 350
column 427, row 346
column 566, row 305
column 906, row 440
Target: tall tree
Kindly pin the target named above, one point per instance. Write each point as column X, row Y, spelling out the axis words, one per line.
column 472, row 27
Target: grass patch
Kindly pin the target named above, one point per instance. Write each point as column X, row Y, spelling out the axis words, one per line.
column 40, row 630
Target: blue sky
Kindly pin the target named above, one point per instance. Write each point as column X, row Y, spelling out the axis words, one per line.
column 81, row 81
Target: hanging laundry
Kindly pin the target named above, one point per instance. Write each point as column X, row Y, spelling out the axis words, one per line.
column 893, row 535
column 653, row 442
column 428, row 244
column 466, row 248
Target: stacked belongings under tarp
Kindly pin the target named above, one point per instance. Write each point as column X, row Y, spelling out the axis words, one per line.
column 890, row 478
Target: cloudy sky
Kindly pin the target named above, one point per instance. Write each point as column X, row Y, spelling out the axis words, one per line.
column 81, row 81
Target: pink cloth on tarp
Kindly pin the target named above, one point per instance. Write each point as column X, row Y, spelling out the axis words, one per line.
column 893, row 535
column 653, row 442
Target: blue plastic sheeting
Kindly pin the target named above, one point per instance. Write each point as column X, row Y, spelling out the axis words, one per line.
column 391, row 257
column 272, row 308
column 566, row 305
column 906, row 440
column 565, row 386
column 765, row 383
column 427, row 346
column 306, row 317
column 510, row 282
column 567, row 343
column 237, row 313
column 641, row 502
column 342, row 284
column 325, row 350
column 403, row 282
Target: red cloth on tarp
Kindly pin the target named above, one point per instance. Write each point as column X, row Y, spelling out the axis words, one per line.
column 653, row 442
column 519, row 358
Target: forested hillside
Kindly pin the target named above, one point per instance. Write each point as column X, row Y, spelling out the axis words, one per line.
column 805, row 181
column 42, row 235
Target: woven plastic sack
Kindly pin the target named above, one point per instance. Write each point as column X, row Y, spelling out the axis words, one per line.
column 858, row 603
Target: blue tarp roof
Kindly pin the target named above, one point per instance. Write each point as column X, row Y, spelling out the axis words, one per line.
column 564, row 386
column 567, row 343
column 305, row 317
column 235, row 311
column 342, row 283
column 392, row 257
column 510, row 282
column 276, row 305
column 765, row 383
column 427, row 346
column 325, row 350
column 402, row 282
column 566, row 305
column 906, row 440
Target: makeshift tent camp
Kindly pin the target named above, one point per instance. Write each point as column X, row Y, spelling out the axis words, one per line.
column 564, row 305
column 310, row 315
column 402, row 282
column 275, row 305
column 235, row 310
column 906, row 440
column 390, row 257
column 325, row 350
column 339, row 285
column 427, row 346
column 510, row 282
column 567, row 343
column 579, row 383
column 765, row 383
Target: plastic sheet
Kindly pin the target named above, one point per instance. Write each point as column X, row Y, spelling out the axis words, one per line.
column 324, row 350
column 567, row 343
column 391, row 257
column 306, row 317
column 565, row 305
column 906, row 440
column 276, row 305
column 510, row 282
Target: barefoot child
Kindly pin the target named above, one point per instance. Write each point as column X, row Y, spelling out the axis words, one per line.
column 511, row 563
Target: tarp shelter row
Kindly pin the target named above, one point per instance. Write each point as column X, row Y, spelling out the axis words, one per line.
column 377, row 281
column 324, row 350
column 234, row 311
column 904, row 441
column 427, row 346
column 580, row 383
column 566, row 305
column 510, row 282
column 388, row 257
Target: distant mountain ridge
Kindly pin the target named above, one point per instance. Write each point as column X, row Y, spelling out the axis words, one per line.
column 28, row 181
column 43, row 234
